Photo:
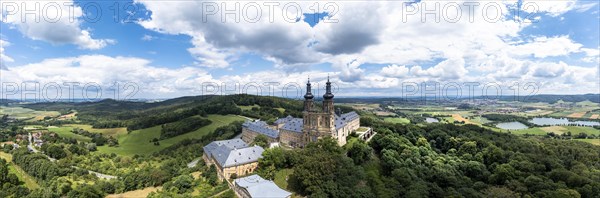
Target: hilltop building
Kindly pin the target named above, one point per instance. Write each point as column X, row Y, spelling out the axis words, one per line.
column 232, row 156
column 315, row 123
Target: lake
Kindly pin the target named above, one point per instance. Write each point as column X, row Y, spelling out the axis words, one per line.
column 561, row 121
column 511, row 125
column 431, row 120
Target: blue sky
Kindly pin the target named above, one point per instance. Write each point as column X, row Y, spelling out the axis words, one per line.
column 168, row 50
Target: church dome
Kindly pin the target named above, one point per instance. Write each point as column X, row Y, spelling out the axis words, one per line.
column 328, row 94
column 308, row 96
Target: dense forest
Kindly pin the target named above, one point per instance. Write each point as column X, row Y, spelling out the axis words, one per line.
column 440, row 160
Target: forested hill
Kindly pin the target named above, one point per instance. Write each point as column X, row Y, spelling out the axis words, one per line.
column 137, row 115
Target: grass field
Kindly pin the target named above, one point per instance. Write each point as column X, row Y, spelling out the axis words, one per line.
column 65, row 131
column 458, row 117
column 530, row 131
column 556, row 129
column 20, row 173
column 114, row 132
column 362, row 129
column 138, row 141
column 361, row 106
column 26, row 114
column 587, row 130
column 591, row 141
column 576, row 115
column 396, row 120
column 70, row 116
column 281, row 178
column 480, row 120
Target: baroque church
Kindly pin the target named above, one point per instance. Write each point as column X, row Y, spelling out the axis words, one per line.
column 315, row 123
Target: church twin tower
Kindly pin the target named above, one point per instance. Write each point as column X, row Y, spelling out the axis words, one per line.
column 318, row 123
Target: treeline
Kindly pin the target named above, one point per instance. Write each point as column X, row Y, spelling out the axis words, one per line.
column 443, row 160
column 266, row 101
column 496, row 118
column 153, row 120
column 218, row 107
column 11, row 186
column 266, row 113
column 97, row 138
column 37, row 165
column 108, row 124
column 183, row 126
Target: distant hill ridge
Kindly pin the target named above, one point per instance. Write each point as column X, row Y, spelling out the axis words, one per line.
column 110, row 113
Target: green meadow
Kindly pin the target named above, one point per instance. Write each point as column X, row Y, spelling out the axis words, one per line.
column 591, row 141
column 65, row 131
column 396, row 120
column 139, row 141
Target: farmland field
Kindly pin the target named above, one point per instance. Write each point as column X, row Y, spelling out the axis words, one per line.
column 591, row 141
column 138, row 141
column 396, row 120
column 26, row 114
column 557, row 130
column 576, row 115
column 361, row 106
column 587, row 130
column 458, row 117
column 530, row 131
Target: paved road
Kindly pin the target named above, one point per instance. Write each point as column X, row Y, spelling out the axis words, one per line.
column 99, row 175
column 193, row 163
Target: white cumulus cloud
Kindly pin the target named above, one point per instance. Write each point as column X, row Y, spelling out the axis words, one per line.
column 53, row 22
